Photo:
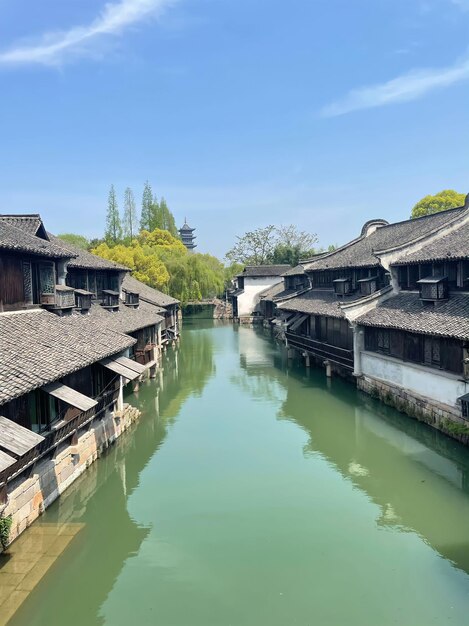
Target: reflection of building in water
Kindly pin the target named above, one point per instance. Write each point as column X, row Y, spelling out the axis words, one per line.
column 261, row 367
column 418, row 478
column 100, row 500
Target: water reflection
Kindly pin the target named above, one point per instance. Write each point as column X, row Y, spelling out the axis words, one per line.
column 413, row 473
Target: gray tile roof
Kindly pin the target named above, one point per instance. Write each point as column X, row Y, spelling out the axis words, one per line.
column 126, row 319
column 406, row 312
column 38, row 347
column 86, row 260
column 28, row 223
column 295, row 271
column 453, row 246
column 314, row 302
column 360, row 251
column 146, row 293
column 264, row 270
column 16, row 239
column 271, row 292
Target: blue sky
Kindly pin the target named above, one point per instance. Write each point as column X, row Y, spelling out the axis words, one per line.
column 322, row 113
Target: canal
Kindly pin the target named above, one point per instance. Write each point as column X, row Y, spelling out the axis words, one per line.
column 257, row 493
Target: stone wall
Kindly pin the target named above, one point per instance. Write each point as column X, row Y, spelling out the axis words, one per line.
column 29, row 496
column 439, row 416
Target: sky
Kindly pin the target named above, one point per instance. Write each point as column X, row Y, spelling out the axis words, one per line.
column 241, row 113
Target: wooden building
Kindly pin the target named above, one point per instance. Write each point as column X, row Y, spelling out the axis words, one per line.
column 391, row 309
column 71, row 337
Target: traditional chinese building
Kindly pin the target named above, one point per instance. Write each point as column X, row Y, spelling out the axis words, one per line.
column 390, row 310
column 187, row 236
column 72, row 336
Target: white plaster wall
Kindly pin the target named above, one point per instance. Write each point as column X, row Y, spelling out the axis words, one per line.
column 432, row 384
column 248, row 302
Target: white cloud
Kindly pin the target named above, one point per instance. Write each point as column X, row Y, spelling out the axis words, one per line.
column 462, row 4
column 113, row 19
column 410, row 86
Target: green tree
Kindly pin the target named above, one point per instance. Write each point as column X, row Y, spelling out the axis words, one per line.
column 130, row 215
column 162, row 261
column 113, row 232
column 167, row 219
column 272, row 244
column 255, row 247
column 147, row 201
column 161, row 217
column 230, row 271
column 446, row 199
column 76, row 240
column 155, row 220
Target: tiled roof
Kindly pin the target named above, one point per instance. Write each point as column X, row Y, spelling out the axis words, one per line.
column 454, row 245
column 153, row 296
column 126, row 319
column 86, row 260
column 28, row 223
column 314, row 302
column 295, row 271
column 406, row 312
column 264, row 270
column 38, row 347
column 360, row 251
column 16, row 239
column 271, row 292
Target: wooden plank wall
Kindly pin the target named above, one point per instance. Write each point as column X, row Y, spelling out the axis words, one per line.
column 11, row 281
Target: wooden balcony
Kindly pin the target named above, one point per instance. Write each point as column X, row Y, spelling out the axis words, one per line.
column 322, row 350
column 59, row 433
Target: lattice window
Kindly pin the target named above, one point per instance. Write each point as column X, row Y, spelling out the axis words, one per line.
column 27, row 282
column 47, row 278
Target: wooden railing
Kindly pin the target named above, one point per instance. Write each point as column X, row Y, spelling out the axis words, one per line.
column 59, row 433
column 341, row 356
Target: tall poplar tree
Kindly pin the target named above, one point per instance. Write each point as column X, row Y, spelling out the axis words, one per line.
column 147, row 201
column 167, row 219
column 130, row 214
column 155, row 220
column 113, row 233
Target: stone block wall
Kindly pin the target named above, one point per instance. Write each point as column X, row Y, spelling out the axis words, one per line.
column 440, row 416
column 29, row 496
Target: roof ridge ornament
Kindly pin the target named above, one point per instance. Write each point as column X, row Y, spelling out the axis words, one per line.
column 466, row 202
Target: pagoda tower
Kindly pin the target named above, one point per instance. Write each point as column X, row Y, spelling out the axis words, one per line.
column 187, row 236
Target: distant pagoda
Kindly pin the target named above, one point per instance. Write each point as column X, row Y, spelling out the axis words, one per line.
column 187, row 236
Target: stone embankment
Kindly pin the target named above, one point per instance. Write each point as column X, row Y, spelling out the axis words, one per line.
column 28, row 498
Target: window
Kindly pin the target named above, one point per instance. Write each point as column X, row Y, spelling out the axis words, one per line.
column 438, row 352
column 383, row 340
column 43, row 410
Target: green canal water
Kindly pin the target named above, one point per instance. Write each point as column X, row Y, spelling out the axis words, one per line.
column 254, row 493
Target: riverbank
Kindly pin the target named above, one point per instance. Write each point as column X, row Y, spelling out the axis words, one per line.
column 253, row 487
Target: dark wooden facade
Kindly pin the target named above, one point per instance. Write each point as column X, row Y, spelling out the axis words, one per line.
column 38, row 410
column 328, row 338
column 94, row 281
column 25, row 281
column 456, row 272
column 438, row 352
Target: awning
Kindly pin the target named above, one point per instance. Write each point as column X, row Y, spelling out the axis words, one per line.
column 118, row 368
column 131, row 365
column 70, row 396
column 298, row 321
column 15, row 439
column 5, row 460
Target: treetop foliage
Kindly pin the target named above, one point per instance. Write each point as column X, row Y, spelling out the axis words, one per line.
column 161, row 260
column 272, row 245
column 446, row 199
column 76, row 240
